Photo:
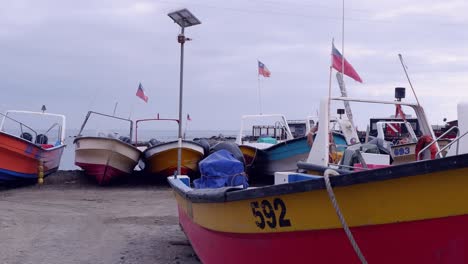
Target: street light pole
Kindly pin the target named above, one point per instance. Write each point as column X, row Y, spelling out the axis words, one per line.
column 181, row 40
column 183, row 18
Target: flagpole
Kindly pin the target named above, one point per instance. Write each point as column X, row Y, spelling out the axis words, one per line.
column 329, row 89
column 340, row 78
column 259, row 94
column 407, row 77
column 330, row 79
column 186, row 125
column 342, row 43
column 131, row 110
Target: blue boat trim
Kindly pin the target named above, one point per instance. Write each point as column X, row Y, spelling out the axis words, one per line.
column 8, row 175
column 287, row 149
column 297, row 177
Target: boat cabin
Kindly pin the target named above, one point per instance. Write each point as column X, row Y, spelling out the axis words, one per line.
column 300, row 128
column 394, row 129
column 266, row 129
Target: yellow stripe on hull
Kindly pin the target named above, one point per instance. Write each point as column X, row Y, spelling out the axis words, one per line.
column 403, row 199
column 165, row 160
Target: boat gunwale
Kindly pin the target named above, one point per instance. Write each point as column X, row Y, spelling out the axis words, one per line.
column 188, row 142
column 32, row 143
column 106, row 138
column 232, row 194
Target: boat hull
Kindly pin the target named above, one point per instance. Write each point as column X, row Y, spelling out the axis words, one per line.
column 412, row 213
column 442, row 240
column 105, row 158
column 280, row 157
column 161, row 160
column 285, row 155
column 19, row 159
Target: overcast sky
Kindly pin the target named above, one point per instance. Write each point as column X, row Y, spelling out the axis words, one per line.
column 75, row 56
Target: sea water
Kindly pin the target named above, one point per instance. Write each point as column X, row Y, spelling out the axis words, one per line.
column 68, row 157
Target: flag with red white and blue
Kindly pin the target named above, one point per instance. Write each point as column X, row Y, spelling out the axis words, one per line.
column 263, row 70
column 141, row 93
column 337, row 64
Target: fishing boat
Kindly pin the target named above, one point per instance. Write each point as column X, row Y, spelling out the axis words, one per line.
column 414, row 212
column 106, row 156
column 270, row 148
column 160, row 157
column 31, row 145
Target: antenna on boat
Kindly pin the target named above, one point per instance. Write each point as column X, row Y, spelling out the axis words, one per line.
column 407, row 77
column 115, row 108
column 43, row 108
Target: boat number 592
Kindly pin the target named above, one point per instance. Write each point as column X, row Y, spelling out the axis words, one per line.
column 270, row 215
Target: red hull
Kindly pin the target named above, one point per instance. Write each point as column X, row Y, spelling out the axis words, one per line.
column 443, row 240
column 19, row 159
column 102, row 173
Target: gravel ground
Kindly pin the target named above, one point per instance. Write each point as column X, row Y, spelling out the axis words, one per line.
column 70, row 220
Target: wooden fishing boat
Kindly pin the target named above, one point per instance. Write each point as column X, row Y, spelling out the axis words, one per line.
column 414, row 212
column 106, row 157
column 270, row 148
column 25, row 152
column 160, row 158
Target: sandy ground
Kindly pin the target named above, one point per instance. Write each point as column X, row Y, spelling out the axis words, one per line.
column 70, row 221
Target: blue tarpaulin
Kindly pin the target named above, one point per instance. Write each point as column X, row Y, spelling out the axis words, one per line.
column 221, row 169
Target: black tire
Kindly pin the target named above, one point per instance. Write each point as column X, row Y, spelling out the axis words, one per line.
column 231, row 147
column 205, row 145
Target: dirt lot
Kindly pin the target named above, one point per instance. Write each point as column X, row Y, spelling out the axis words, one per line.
column 70, row 220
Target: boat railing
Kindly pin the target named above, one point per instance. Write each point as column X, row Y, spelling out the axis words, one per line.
column 20, row 124
column 437, row 139
column 455, row 140
column 59, row 130
column 88, row 115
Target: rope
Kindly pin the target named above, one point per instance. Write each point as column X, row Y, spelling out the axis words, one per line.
column 326, row 175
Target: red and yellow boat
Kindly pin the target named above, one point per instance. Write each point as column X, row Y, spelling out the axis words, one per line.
column 414, row 212
column 25, row 153
column 160, row 158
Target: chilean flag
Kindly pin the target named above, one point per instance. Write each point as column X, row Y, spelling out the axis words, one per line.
column 337, row 60
column 141, row 93
column 263, row 70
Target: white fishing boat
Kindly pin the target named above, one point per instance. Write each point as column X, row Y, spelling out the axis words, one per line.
column 106, row 156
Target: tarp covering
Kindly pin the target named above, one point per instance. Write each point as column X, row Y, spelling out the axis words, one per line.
column 221, row 169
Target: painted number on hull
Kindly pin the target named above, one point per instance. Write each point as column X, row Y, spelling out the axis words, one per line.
column 270, row 215
column 401, row 151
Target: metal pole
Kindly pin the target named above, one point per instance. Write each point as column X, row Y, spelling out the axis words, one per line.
column 344, row 93
column 115, row 108
column 342, row 43
column 407, row 77
column 181, row 40
column 259, row 95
